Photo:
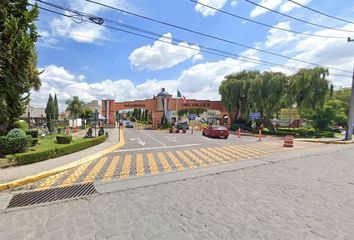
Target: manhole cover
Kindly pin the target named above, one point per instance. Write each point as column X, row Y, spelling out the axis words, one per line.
column 50, row 195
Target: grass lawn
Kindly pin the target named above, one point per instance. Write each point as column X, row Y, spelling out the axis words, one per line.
column 51, row 142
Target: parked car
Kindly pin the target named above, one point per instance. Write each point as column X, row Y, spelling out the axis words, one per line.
column 129, row 124
column 337, row 129
column 216, row 131
column 183, row 125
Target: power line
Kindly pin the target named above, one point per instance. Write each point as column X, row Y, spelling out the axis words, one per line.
column 322, row 13
column 114, row 28
column 265, row 24
column 298, row 19
column 212, row 36
column 221, row 53
column 204, row 49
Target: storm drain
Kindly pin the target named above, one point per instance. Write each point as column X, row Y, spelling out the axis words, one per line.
column 50, row 195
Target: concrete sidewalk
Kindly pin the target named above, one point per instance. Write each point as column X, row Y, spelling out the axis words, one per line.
column 18, row 172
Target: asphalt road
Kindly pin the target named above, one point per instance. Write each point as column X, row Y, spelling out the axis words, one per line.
column 152, row 152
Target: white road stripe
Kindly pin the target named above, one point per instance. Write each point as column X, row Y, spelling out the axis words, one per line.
column 154, row 138
column 152, row 148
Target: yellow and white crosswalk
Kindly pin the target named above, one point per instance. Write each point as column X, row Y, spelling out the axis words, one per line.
column 137, row 163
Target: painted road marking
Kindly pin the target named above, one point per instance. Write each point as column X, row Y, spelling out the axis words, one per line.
column 76, row 174
column 213, row 156
column 238, row 153
column 189, row 163
column 195, row 158
column 126, row 166
column 202, row 155
column 154, row 138
column 154, row 148
column 164, row 162
column 152, row 162
column 96, row 169
column 111, row 169
column 138, row 141
column 172, row 139
column 139, row 164
column 175, row 161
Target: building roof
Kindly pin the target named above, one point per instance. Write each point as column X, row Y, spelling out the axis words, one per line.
column 35, row 113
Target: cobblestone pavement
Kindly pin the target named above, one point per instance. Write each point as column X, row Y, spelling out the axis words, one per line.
column 303, row 198
column 139, row 163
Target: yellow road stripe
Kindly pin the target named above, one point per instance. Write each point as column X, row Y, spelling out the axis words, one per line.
column 213, row 157
column 259, row 149
column 139, row 164
column 204, row 156
column 76, row 174
column 231, row 155
column 223, row 156
column 195, row 158
column 247, row 152
column 95, row 170
column 111, row 169
column 152, row 163
column 49, row 181
column 164, row 162
column 126, row 166
column 235, row 151
column 189, row 163
column 175, row 161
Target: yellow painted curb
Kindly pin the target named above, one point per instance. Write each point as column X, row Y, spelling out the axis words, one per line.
column 33, row 178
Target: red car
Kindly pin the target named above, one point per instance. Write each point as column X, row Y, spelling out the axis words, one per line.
column 216, row 131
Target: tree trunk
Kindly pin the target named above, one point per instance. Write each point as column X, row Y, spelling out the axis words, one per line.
column 269, row 124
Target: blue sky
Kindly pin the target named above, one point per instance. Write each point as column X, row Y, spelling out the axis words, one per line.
column 96, row 62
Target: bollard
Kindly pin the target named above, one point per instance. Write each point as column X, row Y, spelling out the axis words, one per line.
column 239, row 133
column 288, row 141
column 260, row 135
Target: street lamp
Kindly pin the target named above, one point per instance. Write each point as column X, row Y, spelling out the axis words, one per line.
column 349, row 133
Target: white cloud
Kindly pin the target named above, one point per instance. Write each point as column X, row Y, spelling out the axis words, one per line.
column 233, row 3
column 162, row 55
column 272, row 4
column 326, row 51
column 206, row 11
column 278, row 37
column 84, row 32
column 200, row 81
column 288, row 6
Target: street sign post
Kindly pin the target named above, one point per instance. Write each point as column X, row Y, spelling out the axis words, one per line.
column 191, row 117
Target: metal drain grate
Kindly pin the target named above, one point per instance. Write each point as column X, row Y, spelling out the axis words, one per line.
column 50, row 195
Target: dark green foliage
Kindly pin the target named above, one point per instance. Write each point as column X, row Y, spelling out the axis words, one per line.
column 16, row 133
column 56, row 107
column 64, row 139
column 18, row 58
column 10, row 145
column 33, row 133
column 34, row 142
column 37, row 156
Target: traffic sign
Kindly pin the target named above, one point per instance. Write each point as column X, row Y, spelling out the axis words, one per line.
column 191, row 116
column 255, row 115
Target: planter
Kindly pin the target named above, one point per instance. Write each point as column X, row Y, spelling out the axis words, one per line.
column 184, row 131
column 177, row 130
column 171, row 130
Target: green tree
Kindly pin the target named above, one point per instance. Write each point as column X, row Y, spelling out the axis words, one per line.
column 308, row 88
column 74, row 107
column 266, row 93
column 56, row 107
column 234, row 91
column 18, row 58
column 50, row 111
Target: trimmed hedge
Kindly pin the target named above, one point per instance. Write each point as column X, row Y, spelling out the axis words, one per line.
column 64, row 139
column 37, row 156
column 21, row 125
column 300, row 133
column 33, row 133
column 16, row 133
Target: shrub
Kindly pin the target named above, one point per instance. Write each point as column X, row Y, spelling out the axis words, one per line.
column 10, row 145
column 33, row 133
column 21, row 125
column 37, row 156
column 64, row 139
column 16, row 133
column 34, row 142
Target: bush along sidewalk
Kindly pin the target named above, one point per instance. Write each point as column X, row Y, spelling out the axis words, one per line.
column 58, row 151
column 300, row 133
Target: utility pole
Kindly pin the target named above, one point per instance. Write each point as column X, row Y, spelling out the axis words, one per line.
column 349, row 133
